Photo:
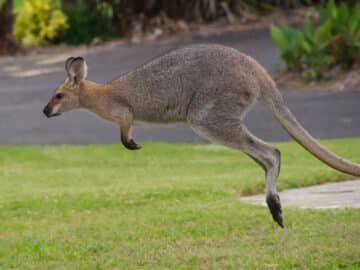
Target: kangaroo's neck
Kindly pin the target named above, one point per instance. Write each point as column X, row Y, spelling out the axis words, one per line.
column 94, row 96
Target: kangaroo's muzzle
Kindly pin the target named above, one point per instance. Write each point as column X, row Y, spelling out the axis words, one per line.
column 48, row 112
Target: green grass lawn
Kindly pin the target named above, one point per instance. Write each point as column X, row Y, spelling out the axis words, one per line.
column 167, row 206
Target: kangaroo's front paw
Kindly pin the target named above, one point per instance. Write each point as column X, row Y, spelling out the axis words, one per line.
column 273, row 201
column 130, row 144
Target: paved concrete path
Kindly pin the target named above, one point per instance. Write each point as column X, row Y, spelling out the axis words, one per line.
column 26, row 84
column 332, row 195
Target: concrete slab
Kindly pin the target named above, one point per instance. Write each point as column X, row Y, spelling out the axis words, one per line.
column 332, row 195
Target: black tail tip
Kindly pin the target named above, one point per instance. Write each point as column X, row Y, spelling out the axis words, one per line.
column 273, row 202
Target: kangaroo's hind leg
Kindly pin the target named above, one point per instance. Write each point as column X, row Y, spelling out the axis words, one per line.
column 234, row 134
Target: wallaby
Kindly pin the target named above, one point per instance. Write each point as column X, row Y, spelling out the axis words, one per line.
column 210, row 87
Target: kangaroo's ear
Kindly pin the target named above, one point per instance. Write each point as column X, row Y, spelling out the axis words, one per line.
column 76, row 69
column 67, row 64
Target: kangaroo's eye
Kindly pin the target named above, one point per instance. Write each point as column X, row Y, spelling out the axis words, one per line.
column 59, row 96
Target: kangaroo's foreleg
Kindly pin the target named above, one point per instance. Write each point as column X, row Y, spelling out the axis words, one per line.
column 123, row 117
column 126, row 139
column 233, row 134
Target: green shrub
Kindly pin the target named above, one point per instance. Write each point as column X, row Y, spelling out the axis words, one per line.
column 39, row 22
column 333, row 39
column 88, row 23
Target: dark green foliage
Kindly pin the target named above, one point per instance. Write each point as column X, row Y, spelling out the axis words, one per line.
column 87, row 23
column 125, row 11
column 332, row 40
column 111, row 18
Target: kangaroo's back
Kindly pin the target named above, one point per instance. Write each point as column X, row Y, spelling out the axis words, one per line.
column 166, row 88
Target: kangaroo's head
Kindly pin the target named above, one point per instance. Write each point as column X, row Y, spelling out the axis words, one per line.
column 66, row 96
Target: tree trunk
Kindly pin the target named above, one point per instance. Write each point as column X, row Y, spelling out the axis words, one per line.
column 7, row 45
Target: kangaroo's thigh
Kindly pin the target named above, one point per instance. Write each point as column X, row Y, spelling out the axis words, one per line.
column 234, row 134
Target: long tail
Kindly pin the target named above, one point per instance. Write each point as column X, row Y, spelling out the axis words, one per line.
column 288, row 121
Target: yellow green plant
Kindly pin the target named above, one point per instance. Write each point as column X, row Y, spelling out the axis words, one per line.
column 39, row 22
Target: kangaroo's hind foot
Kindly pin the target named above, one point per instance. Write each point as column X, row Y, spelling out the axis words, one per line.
column 273, row 202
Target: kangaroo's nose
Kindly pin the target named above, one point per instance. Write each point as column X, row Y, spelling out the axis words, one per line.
column 46, row 111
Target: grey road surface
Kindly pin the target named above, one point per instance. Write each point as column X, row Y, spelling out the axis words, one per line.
column 27, row 83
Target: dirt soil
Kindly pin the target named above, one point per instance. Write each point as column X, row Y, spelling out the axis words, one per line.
column 338, row 81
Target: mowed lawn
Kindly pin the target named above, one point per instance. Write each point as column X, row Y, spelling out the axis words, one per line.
column 167, row 206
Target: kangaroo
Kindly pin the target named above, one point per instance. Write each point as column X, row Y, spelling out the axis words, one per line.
column 210, row 87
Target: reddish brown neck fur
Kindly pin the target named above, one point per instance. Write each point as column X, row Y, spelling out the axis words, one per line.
column 93, row 96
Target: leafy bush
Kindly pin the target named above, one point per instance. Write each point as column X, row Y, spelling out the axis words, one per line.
column 87, row 23
column 333, row 39
column 39, row 22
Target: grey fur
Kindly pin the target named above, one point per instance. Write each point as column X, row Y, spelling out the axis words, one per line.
column 173, row 87
column 211, row 88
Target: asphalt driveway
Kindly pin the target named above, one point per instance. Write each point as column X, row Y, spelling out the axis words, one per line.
column 27, row 83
